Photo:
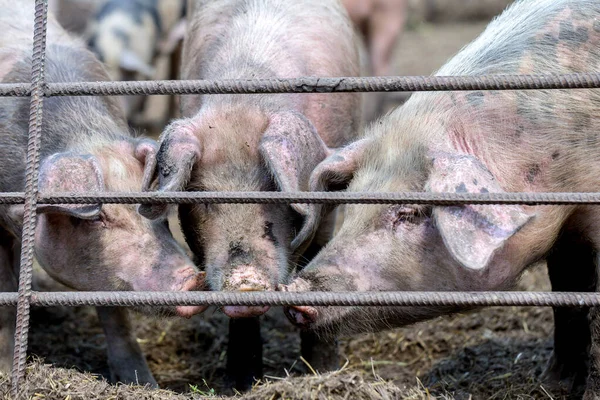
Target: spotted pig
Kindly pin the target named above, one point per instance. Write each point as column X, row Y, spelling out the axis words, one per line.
column 478, row 142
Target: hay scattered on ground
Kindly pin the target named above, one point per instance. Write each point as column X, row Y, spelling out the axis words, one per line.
column 46, row 382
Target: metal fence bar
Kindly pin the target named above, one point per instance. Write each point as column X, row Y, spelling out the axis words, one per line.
column 457, row 299
column 552, row 198
column 460, row 299
column 31, row 193
column 589, row 80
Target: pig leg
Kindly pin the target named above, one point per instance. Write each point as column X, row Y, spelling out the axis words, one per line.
column 571, row 267
column 244, row 352
column 8, row 315
column 592, row 390
column 125, row 359
column 321, row 354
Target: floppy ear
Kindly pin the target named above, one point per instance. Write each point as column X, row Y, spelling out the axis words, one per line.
column 472, row 233
column 333, row 173
column 71, row 173
column 291, row 148
column 178, row 151
column 130, row 61
column 145, row 152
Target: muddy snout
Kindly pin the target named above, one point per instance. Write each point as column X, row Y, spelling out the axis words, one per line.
column 188, row 279
column 301, row 316
column 246, row 278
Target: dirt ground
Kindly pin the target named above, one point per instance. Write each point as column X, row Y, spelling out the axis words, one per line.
column 496, row 353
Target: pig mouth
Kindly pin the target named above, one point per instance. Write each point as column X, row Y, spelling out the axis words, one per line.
column 245, row 311
column 196, row 282
column 304, row 317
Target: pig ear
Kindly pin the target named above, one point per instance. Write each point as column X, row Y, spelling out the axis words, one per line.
column 292, row 148
column 130, row 61
column 145, row 152
column 333, row 173
column 71, row 173
column 472, row 233
column 178, row 151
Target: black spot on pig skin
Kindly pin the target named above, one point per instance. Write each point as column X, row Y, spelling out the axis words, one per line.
column 475, row 99
column 237, row 254
column 461, row 188
column 533, row 171
column 571, row 36
column 269, row 232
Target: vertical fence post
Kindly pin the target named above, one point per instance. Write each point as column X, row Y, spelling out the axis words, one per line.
column 31, row 193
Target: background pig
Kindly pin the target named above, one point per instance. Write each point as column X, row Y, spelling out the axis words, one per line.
column 136, row 40
column 381, row 22
column 477, row 142
column 74, row 15
column 257, row 142
column 86, row 147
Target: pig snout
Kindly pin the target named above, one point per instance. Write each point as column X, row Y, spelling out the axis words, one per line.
column 246, row 278
column 302, row 316
column 189, row 279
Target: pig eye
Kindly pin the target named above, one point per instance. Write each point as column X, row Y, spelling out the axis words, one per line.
column 405, row 215
column 99, row 221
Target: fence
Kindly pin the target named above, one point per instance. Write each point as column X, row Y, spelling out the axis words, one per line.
column 38, row 89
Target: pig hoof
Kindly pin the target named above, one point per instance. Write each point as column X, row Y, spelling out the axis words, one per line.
column 244, row 311
column 302, row 316
column 564, row 377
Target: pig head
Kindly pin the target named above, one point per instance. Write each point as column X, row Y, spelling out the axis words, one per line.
column 244, row 247
column 409, row 247
column 95, row 247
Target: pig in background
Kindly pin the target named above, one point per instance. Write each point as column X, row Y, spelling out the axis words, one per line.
column 477, row 142
column 136, row 40
column 256, row 142
column 86, row 147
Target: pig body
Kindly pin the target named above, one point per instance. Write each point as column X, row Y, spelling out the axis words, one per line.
column 477, row 142
column 256, row 142
column 85, row 147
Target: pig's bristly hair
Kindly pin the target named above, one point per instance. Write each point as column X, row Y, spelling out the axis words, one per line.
column 541, row 37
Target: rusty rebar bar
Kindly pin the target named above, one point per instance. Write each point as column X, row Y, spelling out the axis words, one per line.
column 552, row 198
column 457, row 299
column 589, row 80
column 31, row 192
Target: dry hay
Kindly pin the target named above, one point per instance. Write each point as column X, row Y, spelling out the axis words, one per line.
column 46, row 382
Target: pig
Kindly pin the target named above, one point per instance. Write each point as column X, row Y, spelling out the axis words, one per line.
column 129, row 36
column 476, row 142
column 268, row 142
column 85, row 147
column 381, row 23
column 74, row 15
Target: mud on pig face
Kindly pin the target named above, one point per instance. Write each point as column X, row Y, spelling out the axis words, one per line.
column 244, row 247
column 406, row 247
column 95, row 247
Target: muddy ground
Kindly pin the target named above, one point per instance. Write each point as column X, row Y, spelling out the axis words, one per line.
column 495, row 353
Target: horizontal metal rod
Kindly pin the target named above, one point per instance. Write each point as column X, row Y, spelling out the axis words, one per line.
column 460, row 299
column 309, row 197
column 314, row 85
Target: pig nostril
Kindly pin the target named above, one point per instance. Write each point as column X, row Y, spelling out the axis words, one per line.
column 301, row 315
